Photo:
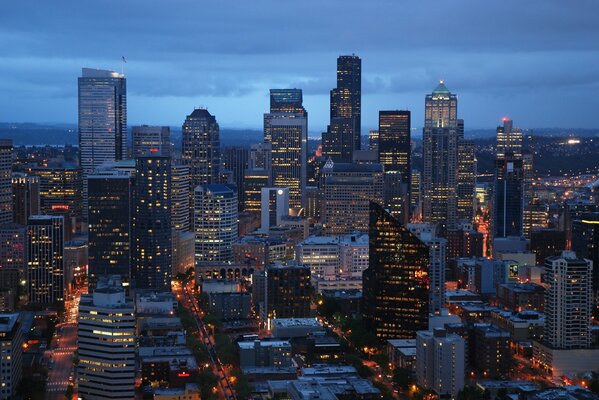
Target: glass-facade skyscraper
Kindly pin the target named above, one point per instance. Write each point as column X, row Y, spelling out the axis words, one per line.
column 440, row 152
column 6, row 215
column 396, row 283
column 151, row 248
column 201, row 147
column 343, row 133
column 102, row 120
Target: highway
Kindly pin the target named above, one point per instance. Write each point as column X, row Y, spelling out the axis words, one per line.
column 225, row 387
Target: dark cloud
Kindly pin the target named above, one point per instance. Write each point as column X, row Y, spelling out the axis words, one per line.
column 497, row 55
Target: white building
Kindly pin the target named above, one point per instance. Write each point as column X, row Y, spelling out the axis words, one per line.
column 274, row 206
column 11, row 342
column 216, row 223
column 440, row 362
column 334, row 257
column 106, row 332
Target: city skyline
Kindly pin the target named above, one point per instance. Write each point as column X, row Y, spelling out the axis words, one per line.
column 497, row 72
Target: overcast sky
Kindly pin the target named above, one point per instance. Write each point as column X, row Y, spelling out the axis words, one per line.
column 536, row 61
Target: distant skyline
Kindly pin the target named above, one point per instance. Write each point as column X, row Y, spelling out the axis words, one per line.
column 534, row 62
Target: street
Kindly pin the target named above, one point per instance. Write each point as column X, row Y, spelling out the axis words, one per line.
column 61, row 356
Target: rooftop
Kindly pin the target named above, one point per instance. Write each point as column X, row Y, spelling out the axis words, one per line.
column 8, row 321
column 296, row 322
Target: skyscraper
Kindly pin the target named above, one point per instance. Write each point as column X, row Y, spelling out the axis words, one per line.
column 201, row 147
column 215, row 225
column 394, row 154
column 440, row 152
column 568, row 301
column 148, row 140
column 288, row 134
column 6, row 215
column 151, row 264
column 436, row 268
column 45, row 263
column 11, row 343
column 180, row 193
column 236, row 160
column 102, row 120
column 509, row 139
column 106, row 343
column 343, row 134
column 26, row 197
column 396, row 283
column 346, row 192
column 466, row 180
column 507, row 204
column 275, row 206
column 110, row 200
column 585, row 242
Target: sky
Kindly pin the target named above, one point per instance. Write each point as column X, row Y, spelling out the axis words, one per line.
column 535, row 61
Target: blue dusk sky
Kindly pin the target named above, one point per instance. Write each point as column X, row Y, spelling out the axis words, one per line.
column 536, row 61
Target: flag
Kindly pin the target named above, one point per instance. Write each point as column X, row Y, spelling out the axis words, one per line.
column 124, row 59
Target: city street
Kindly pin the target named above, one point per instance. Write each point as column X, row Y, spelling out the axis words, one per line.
column 61, row 353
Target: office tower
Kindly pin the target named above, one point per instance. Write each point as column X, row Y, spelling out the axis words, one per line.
column 215, row 223
column 415, row 194
column 312, row 202
column 236, row 160
column 110, row 200
column 466, row 180
column 585, row 242
column 373, row 140
column 255, row 180
column 440, row 362
column 61, row 193
column 507, row 210
column 346, row 191
column 201, row 147
column 180, row 193
column 464, row 242
column 275, row 206
column 102, row 120
column 509, row 139
column 45, row 263
column 6, row 214
column 13, row 247
column 11, row 355
column 25, row 197
column 334, row 257
column 395, row 299
column 528, row 173
column 149, row 140
column 288, row 134
column 437, row 257
column 151, row 248
column 260, row 157
column 343, row 133
column 394, row 150
column 287, row 291
column 534, row 216
column 106, row 343
column 568, row 301
column 286, row 101
column 440, row 153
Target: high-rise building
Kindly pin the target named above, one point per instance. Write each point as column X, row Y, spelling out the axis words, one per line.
column 509, row 139
column 440, row 362
column 550, row 242
column 534, row 216
column 13, row 247
column 343, row 135
column 102, row 120
column 437, row 257
column 45, row 262
column 568, row 301
column 151, row 235
column 236, row 160
column 466, row 180
column 148, row 140
column 490, row 352
column 394, row 149
column 373, row 140
column 201, row 147
column 180, row 193
column 6, row 215
column 395, row 290
column 440, row 153
column 275, row 206
column 415, row 194
column 346, row 191
column 254, row 181
column 260, row 157
column 286, row 101
column 528, row 174
column 287, row 291
column 585, row 242
column 25, row 196
column 11, row 355
column 110, row 200
column 507, row 204
column 106, row 343
column 216, row 226
column 288, row 134
column 61, row 192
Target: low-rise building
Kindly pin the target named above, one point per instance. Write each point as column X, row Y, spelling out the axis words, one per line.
column 295, row 327
column 265, row 353
column 402, row 353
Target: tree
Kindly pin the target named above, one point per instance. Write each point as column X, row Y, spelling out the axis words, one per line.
column 207, row 382
column 243, row 389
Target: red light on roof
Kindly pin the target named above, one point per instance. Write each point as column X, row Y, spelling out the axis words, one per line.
column 183, row 374
column 60, row 207
column 153, row 150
